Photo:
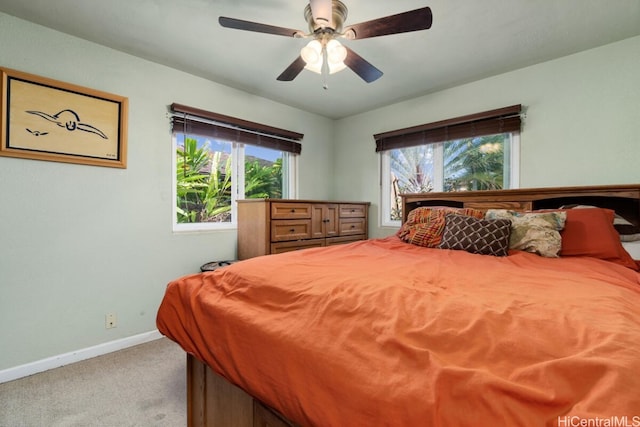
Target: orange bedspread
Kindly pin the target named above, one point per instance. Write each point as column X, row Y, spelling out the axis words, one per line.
column 381, row 332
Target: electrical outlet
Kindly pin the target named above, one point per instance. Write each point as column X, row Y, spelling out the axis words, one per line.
column 110, row 321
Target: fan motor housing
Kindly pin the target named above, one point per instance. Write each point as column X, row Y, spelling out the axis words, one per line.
column 338, row 16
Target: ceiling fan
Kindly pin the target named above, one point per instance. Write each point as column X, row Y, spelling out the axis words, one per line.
column 325, row 54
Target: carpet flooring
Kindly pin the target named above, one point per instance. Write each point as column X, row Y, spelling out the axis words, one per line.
column 141, row 386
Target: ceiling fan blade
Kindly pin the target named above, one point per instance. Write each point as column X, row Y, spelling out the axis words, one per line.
column 240, row 24
column 292, row 71
column 413, row 20
column 361, row 67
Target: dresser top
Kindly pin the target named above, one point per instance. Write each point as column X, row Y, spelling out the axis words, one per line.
column 302, row 201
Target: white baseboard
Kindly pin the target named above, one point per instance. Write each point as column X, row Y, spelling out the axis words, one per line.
column 27, row 369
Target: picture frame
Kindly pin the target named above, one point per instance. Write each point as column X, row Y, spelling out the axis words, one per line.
column 46, row 119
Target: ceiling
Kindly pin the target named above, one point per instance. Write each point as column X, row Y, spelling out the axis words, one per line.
column 469, row 40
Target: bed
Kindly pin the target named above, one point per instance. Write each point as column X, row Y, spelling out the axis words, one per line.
column 386, row 332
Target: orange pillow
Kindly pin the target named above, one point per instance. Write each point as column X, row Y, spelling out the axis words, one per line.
column 425, row 225
column 590, row 232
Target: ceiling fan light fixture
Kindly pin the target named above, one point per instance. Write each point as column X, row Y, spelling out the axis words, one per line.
column 312, row 52
column 312, row 55
column 336, row 53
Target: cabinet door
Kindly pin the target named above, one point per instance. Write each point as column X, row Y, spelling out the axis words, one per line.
column 331, row 215
column 324, row 220
column 317, row 221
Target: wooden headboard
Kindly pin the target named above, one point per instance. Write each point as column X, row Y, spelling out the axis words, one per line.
column 624, row 199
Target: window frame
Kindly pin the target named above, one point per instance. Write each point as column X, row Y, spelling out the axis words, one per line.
column 190, row 121
column 438, row 178
column 289, row 190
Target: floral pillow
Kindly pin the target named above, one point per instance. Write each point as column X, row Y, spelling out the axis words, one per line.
column 536, row 232
column 424, row 226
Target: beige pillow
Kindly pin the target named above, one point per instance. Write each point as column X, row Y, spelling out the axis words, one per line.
column 536, row 232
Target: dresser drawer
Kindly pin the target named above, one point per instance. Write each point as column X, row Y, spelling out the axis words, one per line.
column 278, row 248
column 349, row 226
column 290, row 210
column 353, row 211
column 294, row 229
column 330, row 241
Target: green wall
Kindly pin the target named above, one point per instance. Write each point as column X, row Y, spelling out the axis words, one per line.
column 81, row 241
column 581, row 126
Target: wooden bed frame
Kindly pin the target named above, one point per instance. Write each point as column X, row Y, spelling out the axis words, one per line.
column 624, row 199
column 214, row 402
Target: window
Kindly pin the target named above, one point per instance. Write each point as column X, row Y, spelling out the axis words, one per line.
column 476, row 152
column 220, row 159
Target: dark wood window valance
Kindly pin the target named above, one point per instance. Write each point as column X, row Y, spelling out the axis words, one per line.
column 192, row 120
column 501, row 120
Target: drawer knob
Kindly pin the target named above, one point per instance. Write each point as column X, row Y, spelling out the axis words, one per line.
column 293, row 230
column 353, row 210
column 353, row 226
column 293, row 211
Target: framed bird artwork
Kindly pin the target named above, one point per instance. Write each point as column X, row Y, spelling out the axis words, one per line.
column 45, row 119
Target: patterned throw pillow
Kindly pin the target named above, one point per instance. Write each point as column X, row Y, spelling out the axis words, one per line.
column 534, row 232
column 478, row 236
column 424, row 226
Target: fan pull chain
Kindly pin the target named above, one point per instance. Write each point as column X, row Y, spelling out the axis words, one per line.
column 325, row 67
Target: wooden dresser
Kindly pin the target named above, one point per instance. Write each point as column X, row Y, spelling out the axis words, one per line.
column 271, row 226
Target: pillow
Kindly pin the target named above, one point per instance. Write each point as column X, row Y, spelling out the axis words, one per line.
column 627, row 236
column 628, row 232
column 633, row 249
column 536, row 232
column 590, row 232
column 478, row 236
column 424, row 226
